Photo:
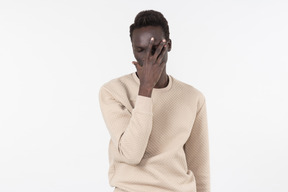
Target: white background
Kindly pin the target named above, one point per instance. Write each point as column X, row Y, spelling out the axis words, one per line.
column 55, row 55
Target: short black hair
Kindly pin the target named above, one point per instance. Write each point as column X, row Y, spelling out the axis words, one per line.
column 150, row 18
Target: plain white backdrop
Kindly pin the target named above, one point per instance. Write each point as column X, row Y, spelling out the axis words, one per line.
column 55, row 55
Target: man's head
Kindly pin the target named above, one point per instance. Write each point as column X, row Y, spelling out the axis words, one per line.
column 150, row 18
column 148, row 24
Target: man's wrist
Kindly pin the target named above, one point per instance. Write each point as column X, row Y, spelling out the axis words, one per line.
column 144, row 91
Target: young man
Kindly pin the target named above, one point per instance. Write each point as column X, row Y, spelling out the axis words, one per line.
column 157, row 124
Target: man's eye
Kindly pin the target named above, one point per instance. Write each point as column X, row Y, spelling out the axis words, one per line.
column 140, row 50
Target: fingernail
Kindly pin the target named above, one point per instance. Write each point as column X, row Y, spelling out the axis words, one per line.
column 152, row 38
column 164, row 40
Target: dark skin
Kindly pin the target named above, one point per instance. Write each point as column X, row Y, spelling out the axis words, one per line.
column 150, row 49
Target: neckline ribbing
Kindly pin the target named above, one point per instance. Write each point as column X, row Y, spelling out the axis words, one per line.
column 168, row 87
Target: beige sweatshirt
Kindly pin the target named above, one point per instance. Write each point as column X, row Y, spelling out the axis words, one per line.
column 158, row 144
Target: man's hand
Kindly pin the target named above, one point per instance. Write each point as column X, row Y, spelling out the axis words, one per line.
column 153, row 65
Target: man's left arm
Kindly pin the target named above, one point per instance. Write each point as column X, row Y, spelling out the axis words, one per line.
column 197, row 150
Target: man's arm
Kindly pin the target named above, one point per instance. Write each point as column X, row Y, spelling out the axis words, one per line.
column 197, row 150
column 129, row 131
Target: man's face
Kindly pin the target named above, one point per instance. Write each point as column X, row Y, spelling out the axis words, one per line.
column 141, row 38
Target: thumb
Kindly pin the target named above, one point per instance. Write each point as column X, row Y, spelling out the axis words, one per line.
column 137, row 65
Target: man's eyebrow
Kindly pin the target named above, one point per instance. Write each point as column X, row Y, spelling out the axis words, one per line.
column 139, row 46
column 144, row 46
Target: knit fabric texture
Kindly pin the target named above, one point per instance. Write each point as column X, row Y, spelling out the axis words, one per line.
column 158, row 144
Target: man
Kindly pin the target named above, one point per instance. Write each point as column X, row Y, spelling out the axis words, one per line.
column 157, row 124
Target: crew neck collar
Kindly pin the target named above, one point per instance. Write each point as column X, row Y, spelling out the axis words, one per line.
column 168, row 87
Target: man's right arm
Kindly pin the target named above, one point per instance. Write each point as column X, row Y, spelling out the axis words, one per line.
column 129, row 131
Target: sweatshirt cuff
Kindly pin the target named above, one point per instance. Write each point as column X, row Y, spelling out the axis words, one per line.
column 143, row 104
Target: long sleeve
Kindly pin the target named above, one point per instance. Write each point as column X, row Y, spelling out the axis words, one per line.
column 129, row 130
column 197, row 150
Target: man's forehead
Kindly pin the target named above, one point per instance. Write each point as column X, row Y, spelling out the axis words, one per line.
column 142, row 36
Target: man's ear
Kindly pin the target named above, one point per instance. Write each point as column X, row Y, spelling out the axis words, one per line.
column 169, row 45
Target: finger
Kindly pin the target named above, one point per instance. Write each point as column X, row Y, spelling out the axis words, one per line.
column 162, row 54
column 159, row 49
column 150, row 47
